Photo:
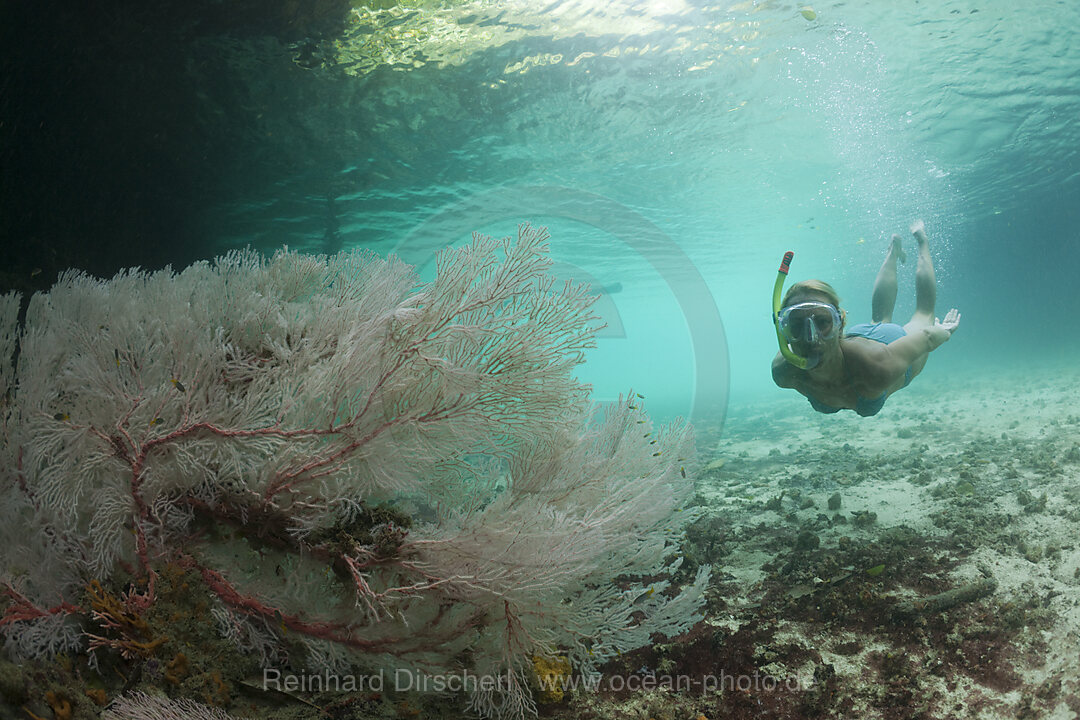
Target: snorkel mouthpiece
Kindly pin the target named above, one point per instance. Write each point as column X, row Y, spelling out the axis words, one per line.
column 798, row 361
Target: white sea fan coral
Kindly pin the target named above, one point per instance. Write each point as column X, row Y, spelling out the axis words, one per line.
column 140, row 706
column 405, row 476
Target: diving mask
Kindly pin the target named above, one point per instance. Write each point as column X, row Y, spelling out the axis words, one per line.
column 809, row 322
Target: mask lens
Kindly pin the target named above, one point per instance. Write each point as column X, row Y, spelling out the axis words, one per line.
column 823, row 322
column 808, row 322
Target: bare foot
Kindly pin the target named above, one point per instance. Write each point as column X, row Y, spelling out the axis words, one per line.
column 896, row 249
column 918, row 230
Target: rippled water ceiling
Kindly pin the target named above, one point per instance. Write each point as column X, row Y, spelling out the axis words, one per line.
column 406, row 36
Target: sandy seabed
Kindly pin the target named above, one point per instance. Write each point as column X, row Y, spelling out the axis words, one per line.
column 922, row 563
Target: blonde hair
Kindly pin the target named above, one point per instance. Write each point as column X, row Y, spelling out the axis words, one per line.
column 817, row 287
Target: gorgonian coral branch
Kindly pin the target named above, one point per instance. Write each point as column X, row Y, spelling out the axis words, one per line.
column 406, row 471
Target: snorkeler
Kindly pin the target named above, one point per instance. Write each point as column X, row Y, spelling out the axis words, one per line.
column 858, row 369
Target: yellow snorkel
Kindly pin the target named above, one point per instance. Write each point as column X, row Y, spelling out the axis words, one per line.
column 797, row 360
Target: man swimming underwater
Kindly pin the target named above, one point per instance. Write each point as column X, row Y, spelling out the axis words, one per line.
column 858, row 369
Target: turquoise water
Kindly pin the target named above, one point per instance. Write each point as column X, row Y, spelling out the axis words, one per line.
column 677, row 149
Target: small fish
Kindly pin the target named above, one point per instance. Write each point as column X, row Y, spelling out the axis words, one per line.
column 116, row 356
column 35, row 272
column 657, row 453
column 178, row 385
column 156, row 421
column 61, row 417
column 632, row 407
column 682, row 471
column 647, row 434
column 640, row 395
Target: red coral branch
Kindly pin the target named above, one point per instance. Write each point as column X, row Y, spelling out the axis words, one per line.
column 334, row 632
column 22, row 609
